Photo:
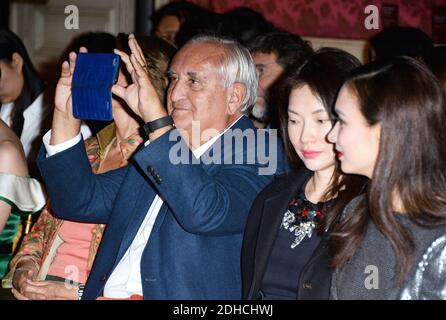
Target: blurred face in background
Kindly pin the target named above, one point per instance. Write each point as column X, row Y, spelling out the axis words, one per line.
column 11, row 79
column 268, row 71
column 168, row 28
column 308, row 126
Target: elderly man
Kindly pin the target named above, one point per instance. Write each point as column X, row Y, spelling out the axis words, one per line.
column 174, row 229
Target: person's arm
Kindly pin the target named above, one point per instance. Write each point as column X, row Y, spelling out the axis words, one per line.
column 5, row 211
column 34, row 244
column 205, row 204
column 12, row 161
column 25, row 270
column 65, row 126
column 429, row 279
column 75, row 192
column 45, row 290
column 26, row 264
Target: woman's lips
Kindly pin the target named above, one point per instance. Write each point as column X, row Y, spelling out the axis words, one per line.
column 311, row 154
column 339, row 154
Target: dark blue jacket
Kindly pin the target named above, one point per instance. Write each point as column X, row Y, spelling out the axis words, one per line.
column 260, row 234
column 194, row 248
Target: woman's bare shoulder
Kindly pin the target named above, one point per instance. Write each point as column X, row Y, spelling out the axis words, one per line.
column 12, row 158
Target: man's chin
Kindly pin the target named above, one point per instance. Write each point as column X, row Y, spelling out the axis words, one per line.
column 181, row 121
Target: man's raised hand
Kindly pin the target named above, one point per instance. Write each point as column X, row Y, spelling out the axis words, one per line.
column 140, row 95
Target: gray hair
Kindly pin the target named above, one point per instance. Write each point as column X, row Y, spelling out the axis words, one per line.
column 237, row 67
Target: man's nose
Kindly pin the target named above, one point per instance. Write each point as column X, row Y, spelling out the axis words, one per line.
column 176, row 91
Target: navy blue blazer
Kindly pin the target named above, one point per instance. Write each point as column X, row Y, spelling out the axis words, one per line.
column 194, row 248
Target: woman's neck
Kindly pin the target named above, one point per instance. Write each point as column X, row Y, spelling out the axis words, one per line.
column 318, row 185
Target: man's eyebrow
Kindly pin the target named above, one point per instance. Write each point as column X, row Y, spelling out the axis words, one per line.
column 193, row 75
column 170, row 73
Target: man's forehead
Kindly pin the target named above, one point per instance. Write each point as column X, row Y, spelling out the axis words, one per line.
column 198, row 57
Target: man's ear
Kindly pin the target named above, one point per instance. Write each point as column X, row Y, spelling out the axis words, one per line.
column 237, row 96
column 17, row 62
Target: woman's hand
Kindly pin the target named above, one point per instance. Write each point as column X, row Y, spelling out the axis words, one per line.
column 26, row 269
column 46, row 290
column 140, row 95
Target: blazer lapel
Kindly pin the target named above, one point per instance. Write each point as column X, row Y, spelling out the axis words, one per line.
column 136, row 216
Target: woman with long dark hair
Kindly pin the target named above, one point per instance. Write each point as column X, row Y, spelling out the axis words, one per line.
column 284, row 254
column 21, row 93
column 390, row 243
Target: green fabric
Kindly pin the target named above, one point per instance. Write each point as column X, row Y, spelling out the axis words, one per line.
column 8, row 234
column 6, row 237
column 4, row 261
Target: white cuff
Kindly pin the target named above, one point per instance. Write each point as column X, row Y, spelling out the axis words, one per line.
column 51, row 150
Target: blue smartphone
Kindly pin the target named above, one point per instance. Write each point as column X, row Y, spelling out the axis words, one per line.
column 94, row 75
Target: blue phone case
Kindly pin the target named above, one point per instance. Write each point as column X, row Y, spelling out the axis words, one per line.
column 94, row 75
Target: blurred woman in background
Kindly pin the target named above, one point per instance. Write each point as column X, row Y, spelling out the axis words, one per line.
column 23, row 107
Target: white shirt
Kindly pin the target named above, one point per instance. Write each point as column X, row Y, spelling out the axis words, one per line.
column 125, row 280
column 33, row 117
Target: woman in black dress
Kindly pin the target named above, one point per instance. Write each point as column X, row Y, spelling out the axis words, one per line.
column 284, row 252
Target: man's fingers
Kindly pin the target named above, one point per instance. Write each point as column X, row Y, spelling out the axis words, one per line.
column 83, row 50
column 142, row 76
column 118, row 90
column 65, row 70
column 140, row 55
column 72, row 62
column 18, row 295
column 136, row 50
column 125, row 58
